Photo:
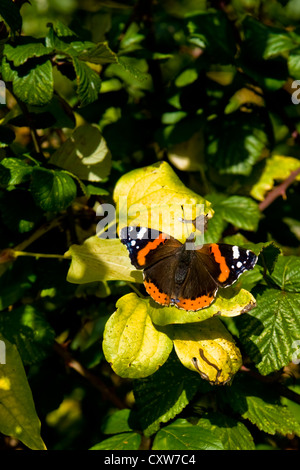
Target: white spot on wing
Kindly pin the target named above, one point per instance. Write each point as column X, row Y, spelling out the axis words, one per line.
column 235, row 252
column 141, row 233
column 239, row 264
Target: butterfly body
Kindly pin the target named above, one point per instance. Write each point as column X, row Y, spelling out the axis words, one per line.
column 183, row 274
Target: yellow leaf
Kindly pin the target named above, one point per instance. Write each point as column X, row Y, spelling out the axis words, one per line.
column 101, row 260
column 132, row 344
column 209, row 349
column 277, row 168
column 18, row 417
column 244, row 96
column 229, row 303
column 153, row 197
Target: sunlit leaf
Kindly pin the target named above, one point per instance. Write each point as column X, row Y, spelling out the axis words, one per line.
column 132, row 344
column 18, row 416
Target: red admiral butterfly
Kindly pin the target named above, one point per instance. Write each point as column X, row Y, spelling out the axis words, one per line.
column 187, row 278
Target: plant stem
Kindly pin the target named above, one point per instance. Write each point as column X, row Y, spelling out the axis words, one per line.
column 107, row 392
column 279, row 190
column 273, row 382
column 16, row 254
column 31, row 125
column 132, row 286
column 39, row 233
column 105, row 229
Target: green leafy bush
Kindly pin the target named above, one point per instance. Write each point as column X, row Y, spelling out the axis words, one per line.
column 164, row 104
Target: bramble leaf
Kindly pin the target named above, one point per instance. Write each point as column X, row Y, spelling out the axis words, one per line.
column 181, row 435
column 164, row 394
column 268, row 334
column 236, row 143
column 233, row 433
column 26, row 327
column 32, row 82
column 242, row 212
column 124, row 441
column 259, row 404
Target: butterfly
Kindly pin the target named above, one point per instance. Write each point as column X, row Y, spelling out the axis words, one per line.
column 178, row 273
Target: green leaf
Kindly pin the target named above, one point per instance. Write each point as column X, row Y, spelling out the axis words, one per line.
column 163, row 395
column 96, row 190
column 294, row 63
column 260, row 404
column 25, row 48
column 131, row 343
column 120, row 421
column 128, row 65
column 18, row 416
column 264, row 52
column 32, row 82
column 181, row 435
column 185, row 78
column 52, row 190
column 99, row 54
column 265, row 42
column 85, row 154
column 242, row 212
column 268, row 334
column 232, row 433
column 212, row 32
column 269, row 255
column 124, row 441
column 286, row 273
column 11, row 14
column 236, row 143
column 14, row 171
column 88, row 82
column 29, row 331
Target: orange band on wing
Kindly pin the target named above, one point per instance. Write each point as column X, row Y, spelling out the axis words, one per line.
column 195, row 304
column 156, row 294
column 225, row 271
column 151, row 245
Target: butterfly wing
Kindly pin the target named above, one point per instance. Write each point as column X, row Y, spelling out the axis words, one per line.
column 225, row 263
column 155, row 252
column 147, row 246
column 198, row 289
column 176, row 276
column 211, row 267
